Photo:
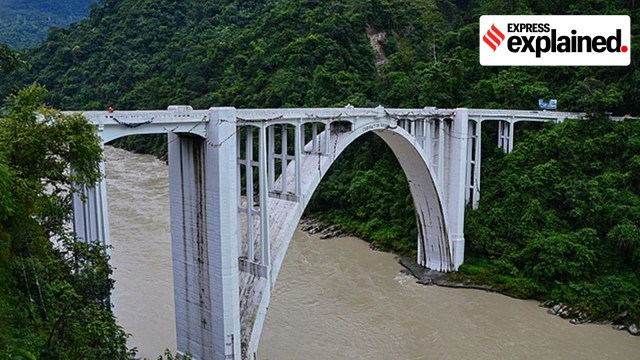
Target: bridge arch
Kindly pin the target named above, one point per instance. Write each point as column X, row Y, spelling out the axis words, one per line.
column 434, row 243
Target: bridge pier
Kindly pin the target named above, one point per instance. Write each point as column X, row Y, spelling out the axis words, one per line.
column 91, row 213
column 203, row 205
column 456, row 183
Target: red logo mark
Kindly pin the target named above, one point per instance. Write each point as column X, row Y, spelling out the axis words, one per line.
column 493, row 37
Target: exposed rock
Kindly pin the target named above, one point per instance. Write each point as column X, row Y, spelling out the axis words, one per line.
column 633, row 330
column 376, row 38
column 582, row 315
column 619, row 327
column 332, row 231
column 313, row 226
column 619, row 319
column 432, row 277
column 555, row 309
column 566, row 313
column 546, row 304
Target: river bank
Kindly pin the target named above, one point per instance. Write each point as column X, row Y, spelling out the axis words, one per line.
column 430, row 277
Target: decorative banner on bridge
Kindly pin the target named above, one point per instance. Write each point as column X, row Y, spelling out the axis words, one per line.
column 550, row 40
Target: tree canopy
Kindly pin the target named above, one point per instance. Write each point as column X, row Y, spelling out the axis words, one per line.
column 54, row 296
column 151, row 54
column 26, row 23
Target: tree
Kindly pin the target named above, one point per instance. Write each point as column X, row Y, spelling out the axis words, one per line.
column 54, row 299
column 9, row 59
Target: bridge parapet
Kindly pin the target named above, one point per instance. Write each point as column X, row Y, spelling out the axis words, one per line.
column 523, row 115
column 183, row 119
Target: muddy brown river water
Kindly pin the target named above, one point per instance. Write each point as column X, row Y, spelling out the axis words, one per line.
column 334, row 299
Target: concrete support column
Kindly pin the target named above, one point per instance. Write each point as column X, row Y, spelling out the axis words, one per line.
column 428, row 145
column 327, row 137
column 505, row 135
column 314, row 138
column 469, row 174
column 512, row 127
column 473, row 161
column 91, row 213
column 284, row 159
column 249, row 163
column 478, row 164
column 440, row 152
column 265, row 253
column 299, row 138
column 238, row 192
column 457, row 184
column 271, row 157
column 427, row 138
column 91, row 216
column 203, row 204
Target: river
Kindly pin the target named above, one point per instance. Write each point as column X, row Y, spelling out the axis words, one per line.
column 334, row 299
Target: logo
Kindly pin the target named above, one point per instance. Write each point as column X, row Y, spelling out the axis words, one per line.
column 546, row 40
column 493, row 37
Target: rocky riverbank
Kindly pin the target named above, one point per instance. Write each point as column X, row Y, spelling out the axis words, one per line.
column 313, row 226
column 426, row 276
column 430, row 277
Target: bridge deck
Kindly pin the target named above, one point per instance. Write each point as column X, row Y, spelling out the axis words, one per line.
column 183, row 119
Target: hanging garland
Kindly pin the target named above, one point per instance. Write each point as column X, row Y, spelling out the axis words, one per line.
column 132, row 125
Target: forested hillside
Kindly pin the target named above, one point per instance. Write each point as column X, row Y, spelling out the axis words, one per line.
column 26, row 23
column 149, row 54
column 555, row 230
column 559, row 218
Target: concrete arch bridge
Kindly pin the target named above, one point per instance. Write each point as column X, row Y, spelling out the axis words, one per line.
column 240, row 180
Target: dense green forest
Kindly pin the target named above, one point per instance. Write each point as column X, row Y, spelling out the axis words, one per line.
column 26, row 23
column 559, row 216
column 151, row 54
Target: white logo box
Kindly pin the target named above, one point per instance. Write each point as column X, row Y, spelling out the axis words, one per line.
column 601, row 29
